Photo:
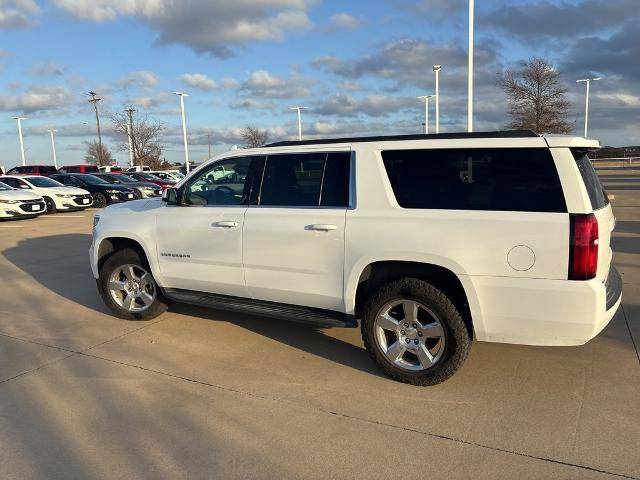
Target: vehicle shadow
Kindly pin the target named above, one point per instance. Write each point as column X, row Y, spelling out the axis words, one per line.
column 50, row 259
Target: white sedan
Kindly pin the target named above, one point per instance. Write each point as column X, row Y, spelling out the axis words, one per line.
column 19, row 204
column 57, row 197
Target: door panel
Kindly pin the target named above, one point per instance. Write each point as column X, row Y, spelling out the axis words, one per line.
column 286, row 260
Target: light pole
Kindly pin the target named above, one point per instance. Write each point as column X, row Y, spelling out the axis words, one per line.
column 130, row 112
column 587, row 81
column 19, row 120
column 94, row 100
column 470, row 74
column 209, row 144
column 53, row 148
column 436, row 69
column 299, row 109
column 184, row 128
column 426, row 112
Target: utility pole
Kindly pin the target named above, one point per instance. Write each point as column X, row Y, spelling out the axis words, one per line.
column 209, row 143
column 130, row 112
column 299, row 110
column 19, row 120
column 470, row 73
column 53, row 148
column 587, row 81
column 426, row 112
column 94, row 100
column 184, row 129
column 436, row 69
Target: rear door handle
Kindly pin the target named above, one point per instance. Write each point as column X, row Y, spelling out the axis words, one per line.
column 322, row 227
column 226, row 224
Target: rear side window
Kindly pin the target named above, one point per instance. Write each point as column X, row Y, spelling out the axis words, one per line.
column 591, row 180
column 507, row 179
column 306, row 180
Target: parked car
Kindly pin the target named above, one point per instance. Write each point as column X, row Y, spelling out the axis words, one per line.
column 432, row 241
column 148, row 177
column 84, row 168
column 141, row 189
column 44, row 170
column 56, row 196
column 19, row 204
column 138, row 168
column 103, row 193
column 110, row 169
column 171, row 175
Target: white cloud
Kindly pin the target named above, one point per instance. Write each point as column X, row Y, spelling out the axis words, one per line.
column 140, row 78
column 36, row 99
column 46, row 69
column 345, row 20
column 214, row 26
column 198, row 81
column 262, row 83
column 17, row 13
column 371, row 105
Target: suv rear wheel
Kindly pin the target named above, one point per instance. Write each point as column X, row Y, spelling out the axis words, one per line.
column 129, row 289
column 414, row 332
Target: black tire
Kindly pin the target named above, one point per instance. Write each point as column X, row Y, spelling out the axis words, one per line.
column 458, row 339
column 99, row 200
column 51, row 205
column 116, row 260
column 137, row 194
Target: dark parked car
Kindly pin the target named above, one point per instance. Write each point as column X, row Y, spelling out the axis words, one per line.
column 149, row 177
column 44, row 170
column 103, row 193
column 141, row 189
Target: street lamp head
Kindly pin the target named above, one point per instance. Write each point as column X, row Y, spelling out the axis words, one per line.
column 299, row 108
column 19, row 118
column 437, row 68
column 182, row 94
column 425, row 97
column 597, row 78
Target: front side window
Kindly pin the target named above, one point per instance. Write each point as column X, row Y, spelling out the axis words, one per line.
column 306, row 180
column 227, row 182
column 500, row 179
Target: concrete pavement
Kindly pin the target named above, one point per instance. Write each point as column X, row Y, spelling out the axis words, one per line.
column 209, row 394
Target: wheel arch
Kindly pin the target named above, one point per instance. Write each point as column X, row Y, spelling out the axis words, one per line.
column 456, row 287
column 112, row 244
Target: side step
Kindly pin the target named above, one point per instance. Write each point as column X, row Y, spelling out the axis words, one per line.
column 295, row 313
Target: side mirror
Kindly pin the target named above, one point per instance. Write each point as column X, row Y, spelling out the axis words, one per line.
column 170, row 196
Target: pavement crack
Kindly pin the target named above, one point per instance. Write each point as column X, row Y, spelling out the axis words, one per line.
column 633, row 340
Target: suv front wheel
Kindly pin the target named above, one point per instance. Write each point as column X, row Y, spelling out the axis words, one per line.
column 414, row 332
column 128, row 288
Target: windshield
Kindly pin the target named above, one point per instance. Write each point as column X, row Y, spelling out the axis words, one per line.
column 108, row 178
column 122, row 178
column 93, row 180
column 43, row 182
column 149, row 176
column 5, row 187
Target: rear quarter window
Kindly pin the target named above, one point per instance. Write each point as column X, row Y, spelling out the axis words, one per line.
column 592, row 183
column 508, row 179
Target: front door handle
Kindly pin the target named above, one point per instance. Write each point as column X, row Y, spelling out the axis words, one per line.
column 226, row 224
column 322, row 227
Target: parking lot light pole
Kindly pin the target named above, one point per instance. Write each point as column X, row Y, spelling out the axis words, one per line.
column 436, row 69
column 299, row 109
column 94, row 100
column 426, row 112
column 587, row 82
column 53, row 148
column 130, row 112
column 470, row 73
column 19, row 120
column 184, row 129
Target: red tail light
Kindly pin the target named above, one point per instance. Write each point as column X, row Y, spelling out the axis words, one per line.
column 583, row 250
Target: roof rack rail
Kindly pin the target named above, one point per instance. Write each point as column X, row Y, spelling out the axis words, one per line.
column 394, row 138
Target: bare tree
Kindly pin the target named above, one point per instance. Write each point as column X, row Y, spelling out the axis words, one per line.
column 95, row 156
column 254, row 137
column 145, row 137
column 537, row 100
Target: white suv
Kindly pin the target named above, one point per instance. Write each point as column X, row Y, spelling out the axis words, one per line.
column 56, row 196
column 429, row 241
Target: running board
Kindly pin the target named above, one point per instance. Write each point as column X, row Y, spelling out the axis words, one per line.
column 295, row 313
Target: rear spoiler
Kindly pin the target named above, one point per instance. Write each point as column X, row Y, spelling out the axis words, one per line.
column 566, row 141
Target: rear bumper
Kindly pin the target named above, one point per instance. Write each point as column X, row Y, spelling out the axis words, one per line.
column 543, row 312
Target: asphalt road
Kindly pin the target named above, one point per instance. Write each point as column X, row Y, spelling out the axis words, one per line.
column 209, row 394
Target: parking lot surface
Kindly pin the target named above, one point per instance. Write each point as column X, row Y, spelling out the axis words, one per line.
column 207, row 394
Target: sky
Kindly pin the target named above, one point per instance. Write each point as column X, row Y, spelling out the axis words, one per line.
column 358, row 66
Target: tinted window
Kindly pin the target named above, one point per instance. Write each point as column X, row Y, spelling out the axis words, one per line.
column 228, row 182
column 306, row 180
column 93, row 180
column 509, row 179
column 591, row 180
column 4, row 186
column 44, row 182
column 12, row 182
column 335, row 184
